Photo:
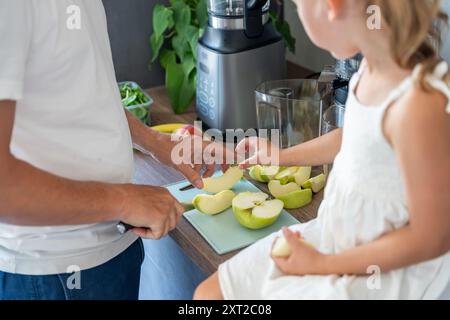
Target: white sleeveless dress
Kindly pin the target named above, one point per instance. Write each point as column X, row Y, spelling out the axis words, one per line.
column 364, row 199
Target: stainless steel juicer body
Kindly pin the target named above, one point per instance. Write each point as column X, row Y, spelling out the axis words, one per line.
column 236, row 54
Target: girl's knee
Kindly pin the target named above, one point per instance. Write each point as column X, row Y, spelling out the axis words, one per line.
column 209, row 289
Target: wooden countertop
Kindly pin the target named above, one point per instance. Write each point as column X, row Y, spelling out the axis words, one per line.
column 150, row 172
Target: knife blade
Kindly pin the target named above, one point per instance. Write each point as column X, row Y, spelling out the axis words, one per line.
column 123, row 227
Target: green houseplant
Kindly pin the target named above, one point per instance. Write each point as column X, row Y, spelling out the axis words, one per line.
column 176, row 30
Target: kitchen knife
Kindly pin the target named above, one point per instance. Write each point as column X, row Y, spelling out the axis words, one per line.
column 123, row 227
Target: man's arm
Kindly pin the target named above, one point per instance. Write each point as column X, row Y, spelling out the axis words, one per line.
column 32, row 197
column 29, row 196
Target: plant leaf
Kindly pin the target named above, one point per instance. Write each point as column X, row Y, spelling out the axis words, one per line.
column 181, row 16
column 180, row 88
column 187, row 93
column 167, row 57
column 285, row 31
column 191, row 34
column 202, row 13
column 174, row 81
column 188, row 64
column 162, row 19
column 181, row 46
column 156, row 42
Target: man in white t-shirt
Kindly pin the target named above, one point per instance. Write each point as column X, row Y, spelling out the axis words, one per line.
column 66, row 161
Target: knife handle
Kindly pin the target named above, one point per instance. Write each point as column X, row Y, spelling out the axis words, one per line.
column 123, row 227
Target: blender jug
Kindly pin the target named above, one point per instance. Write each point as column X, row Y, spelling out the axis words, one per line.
column 239, row 14
column 239, row 49
column 294, row 107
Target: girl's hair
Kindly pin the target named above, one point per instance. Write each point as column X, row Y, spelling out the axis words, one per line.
column 415, row 28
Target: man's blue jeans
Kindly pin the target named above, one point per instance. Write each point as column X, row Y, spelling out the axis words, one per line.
column 118, row 279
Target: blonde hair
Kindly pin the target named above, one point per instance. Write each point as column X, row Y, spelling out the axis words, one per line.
column 415, row 28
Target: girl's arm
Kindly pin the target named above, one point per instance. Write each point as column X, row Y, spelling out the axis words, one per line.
column 322, row 150
column 418, row 128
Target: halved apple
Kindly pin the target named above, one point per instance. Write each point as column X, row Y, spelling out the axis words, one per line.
column 277, row 189
column 287, row 175
column 213, row 204
column 316, row 184
column 223, row 182
column 282, row 249
column 297, row 199
column 252, row 210
column 302, row 175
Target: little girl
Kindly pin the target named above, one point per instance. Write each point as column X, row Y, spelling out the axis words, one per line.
column 383, row 229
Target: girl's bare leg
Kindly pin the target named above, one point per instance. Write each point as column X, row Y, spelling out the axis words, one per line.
column 209, row 289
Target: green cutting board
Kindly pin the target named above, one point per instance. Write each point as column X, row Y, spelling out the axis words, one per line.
column 223, row 232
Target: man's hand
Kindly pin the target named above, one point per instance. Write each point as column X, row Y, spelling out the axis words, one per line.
column 152, row 210
column 163, row 145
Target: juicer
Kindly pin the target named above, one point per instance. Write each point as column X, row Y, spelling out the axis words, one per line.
column 240, row 49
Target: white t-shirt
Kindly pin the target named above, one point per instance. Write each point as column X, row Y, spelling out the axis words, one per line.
column 69, row 121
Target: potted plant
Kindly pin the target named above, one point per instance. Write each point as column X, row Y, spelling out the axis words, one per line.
column 176, row 31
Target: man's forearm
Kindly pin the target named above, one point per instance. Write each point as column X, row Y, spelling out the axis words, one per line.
column 141, row 135
column 322, row 150
column 32, row 197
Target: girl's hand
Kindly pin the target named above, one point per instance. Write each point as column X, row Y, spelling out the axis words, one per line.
column 254, row 150
column 304, row 259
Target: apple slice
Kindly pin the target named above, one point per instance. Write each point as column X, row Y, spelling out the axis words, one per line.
column 297, row 199
column 213, row 204
column 278, row 190
column 223, row 182
column 269, row 172
column 287, row 175
column 282, row 249
column 263, row 173
column 255, row 173
column 316, row 184
column 302, row 175
column 253, row 212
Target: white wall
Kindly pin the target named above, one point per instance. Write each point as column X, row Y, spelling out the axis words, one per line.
column 314, row 58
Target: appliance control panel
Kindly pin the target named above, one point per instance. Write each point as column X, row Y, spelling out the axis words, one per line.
column 207, row 91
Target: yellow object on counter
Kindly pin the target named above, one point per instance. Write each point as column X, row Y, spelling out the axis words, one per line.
column 169, row 127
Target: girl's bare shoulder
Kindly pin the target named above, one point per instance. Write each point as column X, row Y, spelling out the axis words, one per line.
column 418, row 112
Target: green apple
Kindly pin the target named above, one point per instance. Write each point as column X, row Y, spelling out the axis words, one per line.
column 263, row 173
column 302, row 175
column 255, row 173
column 287, row 175
column 277, row 189
column 316, row 184
column 213, row 204
column 223, row 182
column 269, row 172
column 297, row 199
column 253, row 211
column 282, row 249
